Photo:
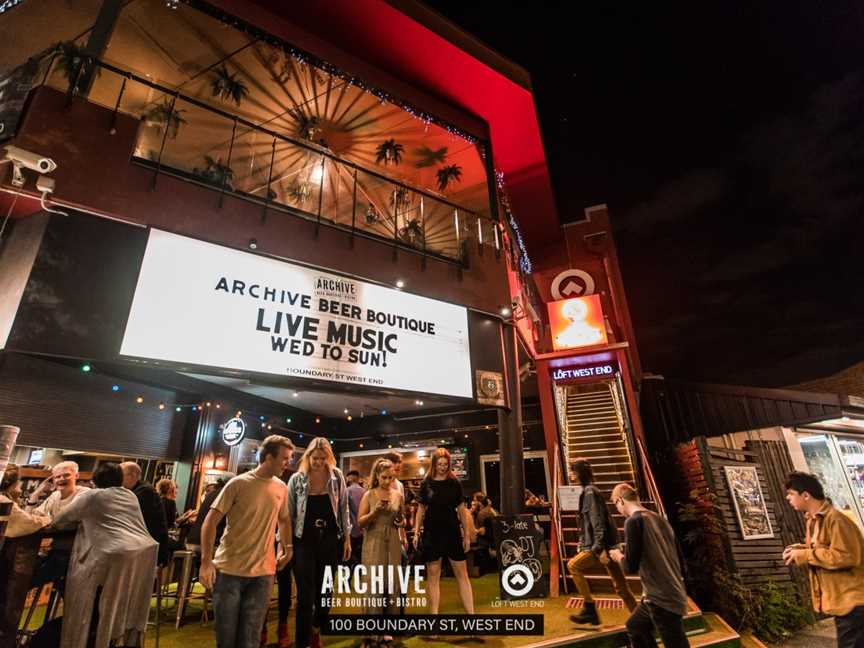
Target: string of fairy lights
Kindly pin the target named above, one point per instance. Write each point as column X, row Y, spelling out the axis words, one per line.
column 305, row 58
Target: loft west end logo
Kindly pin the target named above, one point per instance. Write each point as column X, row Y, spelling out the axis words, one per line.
column 344, row 289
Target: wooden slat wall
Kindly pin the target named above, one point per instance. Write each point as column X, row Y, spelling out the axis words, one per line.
column 756, row 561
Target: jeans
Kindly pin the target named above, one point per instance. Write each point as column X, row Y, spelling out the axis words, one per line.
column 585, row 560
column 312, row 554
column 647, row 616
column 239, row 606
column 850, row 629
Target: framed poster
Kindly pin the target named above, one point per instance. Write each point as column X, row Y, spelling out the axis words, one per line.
column 750, row 507
column 568, row 497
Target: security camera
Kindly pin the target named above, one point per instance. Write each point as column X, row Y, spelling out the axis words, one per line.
column 22, row 159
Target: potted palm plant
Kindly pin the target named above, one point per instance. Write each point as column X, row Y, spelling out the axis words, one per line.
column 227, row 86
column 449, row 174
column 73, row 61
column 412, row 232
column 389, row 151
column 166, row 117
column 215, row 172
column 427, row 157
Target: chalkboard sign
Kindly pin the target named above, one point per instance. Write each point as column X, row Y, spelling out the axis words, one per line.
column 518, row 542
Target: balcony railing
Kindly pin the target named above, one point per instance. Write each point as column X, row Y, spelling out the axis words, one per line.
column 191, row 139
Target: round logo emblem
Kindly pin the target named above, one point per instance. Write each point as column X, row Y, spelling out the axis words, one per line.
column 233, row 431
column 517, row 580
column 572, row 283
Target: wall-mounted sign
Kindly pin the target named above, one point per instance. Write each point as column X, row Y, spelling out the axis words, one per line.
column 577, row 322
column 584, row 373
column 205, row 304
column 568, row 497
column 572, row 283
column 490, row 388
column 233, row 431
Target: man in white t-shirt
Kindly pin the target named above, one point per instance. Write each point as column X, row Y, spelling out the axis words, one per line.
column 241, row 573
column 65, row 478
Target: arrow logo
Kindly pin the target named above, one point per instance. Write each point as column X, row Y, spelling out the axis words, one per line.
column 572, row 288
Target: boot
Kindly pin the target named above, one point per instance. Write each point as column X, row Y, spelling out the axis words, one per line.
column 283, row 636
column 588, row 615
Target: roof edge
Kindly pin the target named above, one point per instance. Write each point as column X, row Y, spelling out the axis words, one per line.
column 463, row 39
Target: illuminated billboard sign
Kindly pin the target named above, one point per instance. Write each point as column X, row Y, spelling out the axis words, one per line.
column 204, row 304
column 577, row 322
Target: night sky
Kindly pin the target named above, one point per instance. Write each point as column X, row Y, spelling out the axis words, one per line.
column 727, row 139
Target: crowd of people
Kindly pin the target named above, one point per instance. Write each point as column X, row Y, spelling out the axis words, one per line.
column 278, row 525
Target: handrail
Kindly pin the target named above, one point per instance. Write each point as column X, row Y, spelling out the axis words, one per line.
column 653, row 491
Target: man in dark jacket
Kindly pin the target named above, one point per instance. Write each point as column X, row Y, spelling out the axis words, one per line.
column 151, row 508
column 598, row 536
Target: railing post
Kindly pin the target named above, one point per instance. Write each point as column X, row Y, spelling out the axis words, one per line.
column 320, row 196
column 458, row 243
column 269, row 181
column 354, row 208
column 164, row 139
column 479, row 236
column 112, row 129
column 495, row 227
column 395, row 225
column 228, row 164
column 423, row 226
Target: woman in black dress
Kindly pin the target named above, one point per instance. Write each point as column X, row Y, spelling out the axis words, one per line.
column 441, row 529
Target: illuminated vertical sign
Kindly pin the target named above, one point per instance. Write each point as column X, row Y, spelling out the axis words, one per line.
column 577, row 322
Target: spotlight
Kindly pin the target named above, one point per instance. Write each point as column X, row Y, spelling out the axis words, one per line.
column 218, row 406
column 161, row 406
column 139, row 400
column 383, row 412
column 317, row 419
column 505, row 311
column 288, row 420
column 260, row 418
column 389, row 445
column 115, row 388
column 253, row 244
column 178, row 408
column 86, row 368
column 349, row 417
column 269, row 427
column 400, row 283
column 360, row 445
column 295, row 394
column 345, row 411
column 194, row 408
column 208, row 403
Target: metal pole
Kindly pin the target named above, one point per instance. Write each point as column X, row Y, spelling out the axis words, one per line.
column 112, row 128
column 423, row 225
column 269, row 181
column 228, row 163
column 320, row 197
column 164, row 139
column 354, row 208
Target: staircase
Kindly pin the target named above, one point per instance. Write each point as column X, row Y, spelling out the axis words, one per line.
column 595, row 431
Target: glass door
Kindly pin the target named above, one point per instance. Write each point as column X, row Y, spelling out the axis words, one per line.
column 852, row 456
column 824, row 460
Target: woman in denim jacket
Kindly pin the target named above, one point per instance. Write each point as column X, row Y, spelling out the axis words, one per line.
column 318, row 504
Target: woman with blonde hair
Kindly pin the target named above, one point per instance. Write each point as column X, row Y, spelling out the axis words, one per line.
column 167, row 490
column 318, row 504
column 443, row 529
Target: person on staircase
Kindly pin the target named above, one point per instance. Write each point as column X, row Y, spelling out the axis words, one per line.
column 651, row 551
column 598, row 536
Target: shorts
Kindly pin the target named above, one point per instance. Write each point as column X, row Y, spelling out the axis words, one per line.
column 435, row 546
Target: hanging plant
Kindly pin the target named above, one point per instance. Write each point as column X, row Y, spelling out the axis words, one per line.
column 400, row 199
column 412, row 233
column 299, row 192
column 166, row 117
column 429, row 158
column 215, row 172
column 227, row 86
column 372, row 215
column 448, row 174
column 73, row 61
column 308, row 127
column 389, row 151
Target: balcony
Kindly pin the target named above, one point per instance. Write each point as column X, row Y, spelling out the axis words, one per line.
column 245, row 115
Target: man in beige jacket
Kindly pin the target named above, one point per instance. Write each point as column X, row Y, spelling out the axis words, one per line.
column 833, row 553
